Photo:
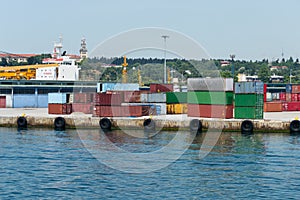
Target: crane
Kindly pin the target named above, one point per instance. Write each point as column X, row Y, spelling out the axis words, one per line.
column 124, row 71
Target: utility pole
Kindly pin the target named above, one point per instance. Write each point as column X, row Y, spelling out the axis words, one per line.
column 165, row 54
column 232, row 56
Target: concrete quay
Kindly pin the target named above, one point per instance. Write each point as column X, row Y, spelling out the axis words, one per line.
column 39, row 117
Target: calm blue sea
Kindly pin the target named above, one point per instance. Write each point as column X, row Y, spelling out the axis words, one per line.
column 46, row 164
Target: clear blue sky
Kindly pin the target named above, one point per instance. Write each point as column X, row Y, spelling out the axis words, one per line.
column 254, row 29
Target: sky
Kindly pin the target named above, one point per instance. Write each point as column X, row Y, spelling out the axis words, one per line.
column 252, row 30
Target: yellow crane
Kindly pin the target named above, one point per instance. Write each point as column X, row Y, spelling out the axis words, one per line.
column 124, row 71
column 22, row 72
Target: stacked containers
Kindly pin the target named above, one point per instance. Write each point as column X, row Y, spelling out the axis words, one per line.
column 249, row 100
column 176, row 102
column 58, row 103
column 156, row 101
column 82, row 102
column 292, row 101
column 210, row 97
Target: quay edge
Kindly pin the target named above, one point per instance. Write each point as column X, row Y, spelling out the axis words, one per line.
column 166, row 122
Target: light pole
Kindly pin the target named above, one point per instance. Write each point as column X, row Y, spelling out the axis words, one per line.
column 232, row 56
column 165, row 54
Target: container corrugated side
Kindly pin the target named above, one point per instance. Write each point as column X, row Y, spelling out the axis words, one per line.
column 176, row 108
column 210, row 111
column 249, row 87
column 59, row 98
column 248, row 100
column 273, row 107
column 213, row 97
column 210, row 84
column 176, row 97
column 249, row 112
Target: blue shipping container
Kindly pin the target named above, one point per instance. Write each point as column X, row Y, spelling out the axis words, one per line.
column 288, row 88
column 59, row 98
column 24, row 101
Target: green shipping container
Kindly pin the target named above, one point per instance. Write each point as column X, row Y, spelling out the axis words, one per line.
column 248, row 100
column 176, row 97
column 249, row 112
column 211, row 98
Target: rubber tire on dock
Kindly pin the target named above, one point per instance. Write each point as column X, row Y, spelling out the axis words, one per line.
column 196, row 125
column 247, row 127
column 149, row 125
column 59, row 123
column 22, row 122
column 105, row 124
column 295, row 126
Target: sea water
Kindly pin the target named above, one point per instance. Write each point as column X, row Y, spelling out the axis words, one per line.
column 48, row 164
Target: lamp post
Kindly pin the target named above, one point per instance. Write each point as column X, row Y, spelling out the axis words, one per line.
column 165, row 54
column 232, row 56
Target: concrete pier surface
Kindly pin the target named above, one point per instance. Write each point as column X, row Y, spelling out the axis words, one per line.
column 39, row 117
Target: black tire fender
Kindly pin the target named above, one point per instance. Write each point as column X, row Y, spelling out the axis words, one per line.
column 105, row 124
column 247, row 126
column 22, row 122
column 59, row 123
column 295, row 126
column 195, row 125
column 149, row 124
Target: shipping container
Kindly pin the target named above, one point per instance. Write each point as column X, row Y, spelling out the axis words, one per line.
column 157, row 88
column 176, row 108
column 295, row 88
column 288, row 97
column 108, row 99
column 249, row 112
column 2, row 101
column 210, row 111
column 126, row 87
column 59, row 98
column 269, row 96
column 154, row 98
column 249, row 87
column 294, row 97
column 293, row 106
column 132, row 96
column 249, row 100
column 273, row 107
column 83, row 97
column 284, row 106
column 42, row 101
column 275, row 96
column 176, row 97
column 210, row 84
column 212, row 97
column 161, row 108
column 288, row 88
column 117, row 111
column 59, row 108
column 82, row 107
column 282, row 96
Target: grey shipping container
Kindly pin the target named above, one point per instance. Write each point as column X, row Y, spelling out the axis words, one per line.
column 249, row 87
column 210, row 84
column 154, row 98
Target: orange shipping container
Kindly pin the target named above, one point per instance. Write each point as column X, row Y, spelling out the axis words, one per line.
column 273, row 107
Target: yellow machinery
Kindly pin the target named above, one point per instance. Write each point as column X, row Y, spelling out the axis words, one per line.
column 124, row 71
column 22, row 72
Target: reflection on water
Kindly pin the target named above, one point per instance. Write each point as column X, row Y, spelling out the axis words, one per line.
column 42, row 163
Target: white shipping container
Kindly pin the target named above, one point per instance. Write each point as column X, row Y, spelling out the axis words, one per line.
column 162, row 108
column 210, row 84
column 47, row 73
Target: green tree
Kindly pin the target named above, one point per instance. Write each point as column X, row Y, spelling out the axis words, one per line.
column 264, row 73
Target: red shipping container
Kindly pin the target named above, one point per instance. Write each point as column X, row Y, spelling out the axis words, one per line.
column 210, row 111
column 295, row 88
column 82, row 107
column 2, row 101
column 294, row 97
column 156, row 88
column 59, row 109
column 83, row 97
column 299, row 97
column 132, row 96
column 105, row 99
column 282, row 96
column 284, row 106
column 131, row 111
column 293, row 106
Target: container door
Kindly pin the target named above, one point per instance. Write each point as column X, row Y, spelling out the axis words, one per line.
column 2, row 101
